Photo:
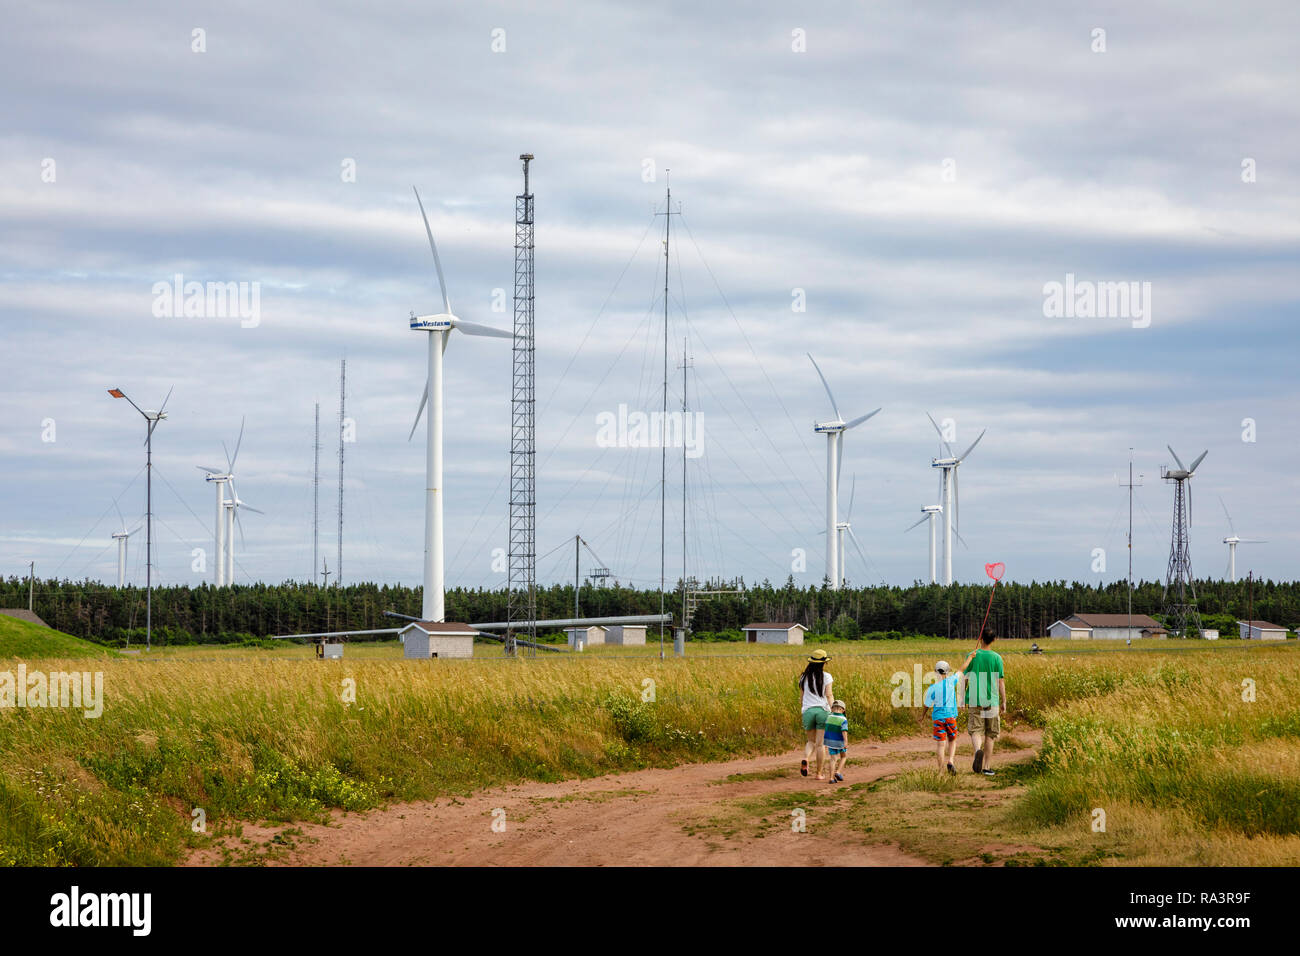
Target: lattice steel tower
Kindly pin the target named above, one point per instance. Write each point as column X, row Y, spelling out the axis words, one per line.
column 521, row 584
column 1181, row 613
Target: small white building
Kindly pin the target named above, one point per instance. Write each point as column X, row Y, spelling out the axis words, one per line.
column 594, row 634
column 774, row 632
column 1261, row 631
column 1114, row 627
column 423, row 640
column 625, row 634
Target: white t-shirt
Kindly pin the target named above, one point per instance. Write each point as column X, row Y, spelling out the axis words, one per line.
column 810, row 699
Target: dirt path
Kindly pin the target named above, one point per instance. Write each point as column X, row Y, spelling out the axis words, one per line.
column 642, row 818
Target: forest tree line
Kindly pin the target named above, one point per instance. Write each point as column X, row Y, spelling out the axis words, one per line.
column 207, row 614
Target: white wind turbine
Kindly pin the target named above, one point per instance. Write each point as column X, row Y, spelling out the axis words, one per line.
column 846, row 526
column 834, row 431
column 234, row 505
column 439, row 327
column 121, row 538
column 1232, row 541
column 929, row 513
column 220, row 479
column 949, row 493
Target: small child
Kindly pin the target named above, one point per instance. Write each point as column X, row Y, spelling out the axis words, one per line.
column 837, row 740
column 941, row 696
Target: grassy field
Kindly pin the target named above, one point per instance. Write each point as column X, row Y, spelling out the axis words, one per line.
column 1158, row 736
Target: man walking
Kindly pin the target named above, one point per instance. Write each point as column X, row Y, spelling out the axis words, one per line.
column 986, row 700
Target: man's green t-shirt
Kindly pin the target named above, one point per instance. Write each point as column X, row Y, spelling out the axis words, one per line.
column 982, row 679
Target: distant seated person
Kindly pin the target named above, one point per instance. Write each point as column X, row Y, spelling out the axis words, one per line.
column 1035, row 649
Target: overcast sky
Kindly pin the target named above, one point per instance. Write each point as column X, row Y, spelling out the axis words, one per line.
column 915, row 174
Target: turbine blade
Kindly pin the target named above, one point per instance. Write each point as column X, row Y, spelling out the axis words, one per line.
column 1198, row 461
column 829, row 394
column 1231, row 529
column 240, row 525
column 437, row 263
column 1252, row 540
column 961, row 539
column 226, row 451
column 962, row 456
column 1176, row 458
column 240, row 505
column 419, row 411
column 163, row 407
column 854, row 538
column 942, row 443
column 235, row 457
column 924, row 519
column 853, row 490
column 473, row 328
column 210, row 471
column 859, row 420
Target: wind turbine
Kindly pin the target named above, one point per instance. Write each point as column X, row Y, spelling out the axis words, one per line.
column 1232, row 541
column 151, row 418
column 841, row 527
column 219, row 479
column 234, row 505
column 834, row 431
column 929, row 513
column 1179, row 576
column 439, row 327
column 121, row 537
column 949, row 493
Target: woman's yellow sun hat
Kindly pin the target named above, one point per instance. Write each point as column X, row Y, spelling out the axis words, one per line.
column 818, row 656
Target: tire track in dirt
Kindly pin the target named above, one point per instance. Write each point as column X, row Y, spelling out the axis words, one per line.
column 638, row 818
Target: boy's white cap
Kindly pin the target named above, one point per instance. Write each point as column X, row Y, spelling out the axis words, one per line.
column 942, row 667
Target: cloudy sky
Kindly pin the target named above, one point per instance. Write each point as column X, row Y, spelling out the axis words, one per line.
column 913, row 175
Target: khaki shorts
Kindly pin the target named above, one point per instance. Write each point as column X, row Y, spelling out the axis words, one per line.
column 990, row 727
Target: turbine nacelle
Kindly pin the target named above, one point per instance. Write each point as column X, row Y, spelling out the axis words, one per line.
column 442, row 322
column 827, row 428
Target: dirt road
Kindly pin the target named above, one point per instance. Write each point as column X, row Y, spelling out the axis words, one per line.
column 642, row 818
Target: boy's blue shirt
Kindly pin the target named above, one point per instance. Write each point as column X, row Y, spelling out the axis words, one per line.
column 942, row 696
column 837, row 725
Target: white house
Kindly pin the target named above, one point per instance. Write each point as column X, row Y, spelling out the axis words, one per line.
column 1114, row 627
column 427, row 639
column 625, row 634
column 1261, row 631
column 595, row 634
column 778, row 632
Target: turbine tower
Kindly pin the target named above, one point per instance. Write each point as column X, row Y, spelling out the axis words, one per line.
column 843, row 527
column 151, row 419
column 929, row 513
column 1179, row 611
column 834, row 431
column 949, row 493
column 439, row 326
column 1232, row 541
column 233, row 506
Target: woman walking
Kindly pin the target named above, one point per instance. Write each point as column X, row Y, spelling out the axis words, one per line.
column 816, row 697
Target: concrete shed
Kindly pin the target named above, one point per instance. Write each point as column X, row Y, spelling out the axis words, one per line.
column 1261, row 631
column 594, row 634
column 774, row 632
column 429, row 639
column 625, row 634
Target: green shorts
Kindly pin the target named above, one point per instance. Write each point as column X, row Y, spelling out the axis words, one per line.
column 814, row 718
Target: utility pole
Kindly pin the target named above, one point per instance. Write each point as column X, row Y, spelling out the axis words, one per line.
column 686, row 366
column 577, row 540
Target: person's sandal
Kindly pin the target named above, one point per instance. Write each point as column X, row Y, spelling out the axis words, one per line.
column 978, row 765
column 803, row 768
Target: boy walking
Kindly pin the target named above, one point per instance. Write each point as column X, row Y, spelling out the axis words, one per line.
column 941, row 697
column 837, row 740
column 986, row 701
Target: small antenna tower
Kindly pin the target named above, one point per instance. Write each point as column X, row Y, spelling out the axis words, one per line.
column 1181, row 612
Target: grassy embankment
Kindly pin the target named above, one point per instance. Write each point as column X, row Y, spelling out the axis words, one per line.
column 259, row 736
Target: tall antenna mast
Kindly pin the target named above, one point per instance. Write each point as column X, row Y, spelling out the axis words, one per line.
column 521, row 575
column 1130, row 485
column 663, row 421
column 315, row 496
column 343, row 388
column 686, row 366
